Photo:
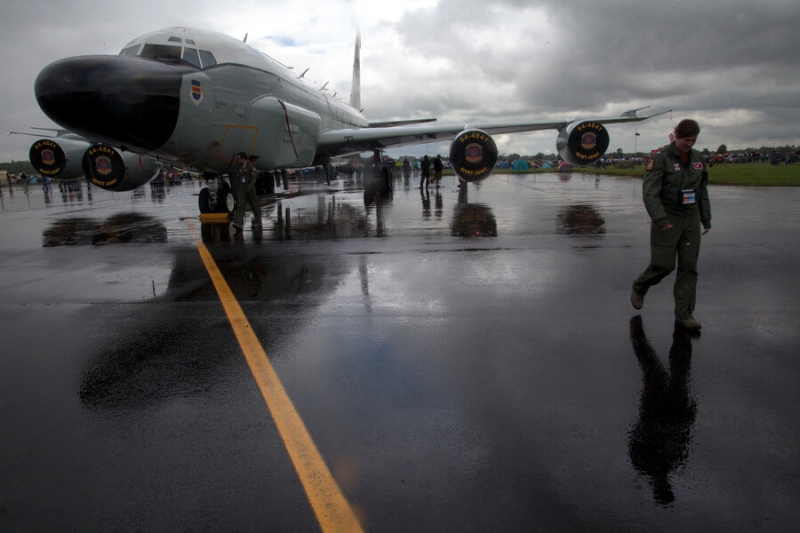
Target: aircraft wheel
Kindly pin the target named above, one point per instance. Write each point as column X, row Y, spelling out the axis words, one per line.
column 225, row 200
column 204, row 201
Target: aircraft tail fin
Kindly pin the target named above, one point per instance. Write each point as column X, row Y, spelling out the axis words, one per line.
column 355, row 89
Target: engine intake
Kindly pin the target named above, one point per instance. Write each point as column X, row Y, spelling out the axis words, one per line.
column 473, row 155
column 59, row 158
column 582, row 143
column 111, row 170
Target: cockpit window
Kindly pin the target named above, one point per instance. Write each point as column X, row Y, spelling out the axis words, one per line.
column 207, row 58
column 130, row 51
column 175, row 40
column 161, row 51
column 190, row 56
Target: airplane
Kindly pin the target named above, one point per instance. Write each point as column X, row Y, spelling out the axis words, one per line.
column 197, row 97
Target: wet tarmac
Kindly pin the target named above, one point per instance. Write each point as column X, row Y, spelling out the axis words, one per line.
column 463, row 361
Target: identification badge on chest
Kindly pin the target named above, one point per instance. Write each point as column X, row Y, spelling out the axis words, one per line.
column 244, row 179
column 687, row 197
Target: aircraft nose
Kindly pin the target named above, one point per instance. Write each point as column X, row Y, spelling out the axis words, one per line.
column 113, row 99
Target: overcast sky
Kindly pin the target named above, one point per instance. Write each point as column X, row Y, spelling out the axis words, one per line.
column 733, row 65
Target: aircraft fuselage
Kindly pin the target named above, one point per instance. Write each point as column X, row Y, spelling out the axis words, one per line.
column 196, row 96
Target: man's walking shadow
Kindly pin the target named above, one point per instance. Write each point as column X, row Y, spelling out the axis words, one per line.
column 659, row 442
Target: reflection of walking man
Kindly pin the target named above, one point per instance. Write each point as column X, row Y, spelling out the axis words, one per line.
column 676, row 197
column 659, row 443
column 426, row 172
column 246, row 174
column 426, row 203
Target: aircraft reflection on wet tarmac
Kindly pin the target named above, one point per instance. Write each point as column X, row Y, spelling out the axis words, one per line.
column 336, row 218
column 580, row 220
column 118, row 228
column 472, row 220
column 151, row 362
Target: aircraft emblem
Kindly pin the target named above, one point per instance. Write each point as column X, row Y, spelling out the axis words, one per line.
column 474, row 153
column 103, row 165
column 698, row 166
column 588, row 141
column 197, row 92
column 48, row 157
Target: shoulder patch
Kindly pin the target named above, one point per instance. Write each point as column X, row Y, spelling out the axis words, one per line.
column 651, row 164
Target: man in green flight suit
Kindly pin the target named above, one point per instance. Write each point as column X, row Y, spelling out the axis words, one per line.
column 675, row 195
column 246, row 174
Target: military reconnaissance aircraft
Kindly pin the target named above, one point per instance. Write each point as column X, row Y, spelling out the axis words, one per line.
column 196, row 98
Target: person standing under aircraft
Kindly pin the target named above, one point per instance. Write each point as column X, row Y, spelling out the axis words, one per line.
column 437, row 170
column 406, row 169
column 426, row 172
column 246, row 173
column 675, row 195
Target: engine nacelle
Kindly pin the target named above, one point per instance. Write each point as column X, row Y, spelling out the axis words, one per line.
column 60, row 158
column 582, row 143
column 117, row 171
column 473, row 155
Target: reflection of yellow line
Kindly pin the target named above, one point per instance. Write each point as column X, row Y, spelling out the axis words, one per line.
column 332, row 509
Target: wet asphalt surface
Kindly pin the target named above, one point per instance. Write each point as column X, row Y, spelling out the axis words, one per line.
column 463, row 362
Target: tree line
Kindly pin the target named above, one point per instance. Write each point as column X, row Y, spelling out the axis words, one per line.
column 19, row 167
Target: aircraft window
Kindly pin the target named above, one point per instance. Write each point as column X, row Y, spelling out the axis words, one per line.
column 207, row 58
column 161, row 51
column 130, row 51
column 190, row 41
column 190, row 56
column 175, row 40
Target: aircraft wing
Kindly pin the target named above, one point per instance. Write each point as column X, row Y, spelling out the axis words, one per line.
column 357, row 140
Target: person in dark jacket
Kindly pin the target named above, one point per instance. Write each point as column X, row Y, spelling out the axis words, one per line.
column 426, row 172
column 437, row 170
column 246, row 174
column 675, row 195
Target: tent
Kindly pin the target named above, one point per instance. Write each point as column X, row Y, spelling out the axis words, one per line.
column 520, row 164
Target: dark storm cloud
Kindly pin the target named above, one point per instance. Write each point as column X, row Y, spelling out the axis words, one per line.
column 733, row 63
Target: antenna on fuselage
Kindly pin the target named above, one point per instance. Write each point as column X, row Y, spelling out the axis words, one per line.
column 323, row 87
column 355, row 86
column 304, row 73
column 245, row 37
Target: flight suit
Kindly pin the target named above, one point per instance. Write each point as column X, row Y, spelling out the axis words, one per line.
column 246, row 194
column 675, row 192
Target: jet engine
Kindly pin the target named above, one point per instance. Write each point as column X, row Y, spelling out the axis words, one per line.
column 59, row 158
column 116, row 171
column 473, row 155
column 582, row 143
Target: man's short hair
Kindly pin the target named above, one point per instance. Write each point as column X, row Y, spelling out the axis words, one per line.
column 243, row 155
column 687, row 128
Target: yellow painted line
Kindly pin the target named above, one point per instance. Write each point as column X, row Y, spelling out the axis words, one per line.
column 330, row 506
